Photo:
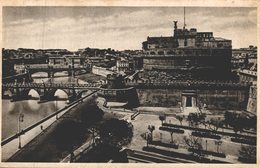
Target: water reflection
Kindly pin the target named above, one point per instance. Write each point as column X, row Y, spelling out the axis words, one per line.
column 32, row 110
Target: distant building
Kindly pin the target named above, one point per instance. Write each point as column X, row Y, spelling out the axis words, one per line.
column 244, row 62
column 244, row 57
column 246, row 75
column 94, row 60
column 124, row 65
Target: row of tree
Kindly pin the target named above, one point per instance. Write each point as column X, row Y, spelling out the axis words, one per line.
column 195, row 143
column 237, row 121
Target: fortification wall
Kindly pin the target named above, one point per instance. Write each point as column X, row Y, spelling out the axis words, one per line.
column 214, row 99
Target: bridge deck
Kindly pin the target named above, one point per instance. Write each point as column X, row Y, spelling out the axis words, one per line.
column 52, row 85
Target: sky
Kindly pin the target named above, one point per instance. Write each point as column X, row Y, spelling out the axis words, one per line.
column 120, row 28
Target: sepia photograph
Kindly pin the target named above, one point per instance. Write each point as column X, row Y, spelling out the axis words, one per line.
column 129, row 84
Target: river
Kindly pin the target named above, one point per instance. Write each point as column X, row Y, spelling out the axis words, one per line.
column 32, row 110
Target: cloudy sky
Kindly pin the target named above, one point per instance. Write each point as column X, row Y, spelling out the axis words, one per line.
column 119, row 27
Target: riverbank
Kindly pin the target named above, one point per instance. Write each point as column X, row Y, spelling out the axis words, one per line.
column 43, row 147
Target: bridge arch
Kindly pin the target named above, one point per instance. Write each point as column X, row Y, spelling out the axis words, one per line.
column 7, row 93
column 61, row 93
column 60, row 73
column 39, row 74
column 80, row 71
column 34, row 93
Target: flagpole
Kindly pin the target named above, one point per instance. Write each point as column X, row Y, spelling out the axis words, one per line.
column 184, row 20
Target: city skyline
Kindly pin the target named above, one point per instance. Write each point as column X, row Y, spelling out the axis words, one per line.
column 120, row 27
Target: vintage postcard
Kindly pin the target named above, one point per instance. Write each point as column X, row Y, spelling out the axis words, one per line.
column 130, row 83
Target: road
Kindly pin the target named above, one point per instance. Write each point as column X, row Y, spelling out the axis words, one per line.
column 11, row 148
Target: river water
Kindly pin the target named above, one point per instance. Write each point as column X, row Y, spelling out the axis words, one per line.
column 32, row 110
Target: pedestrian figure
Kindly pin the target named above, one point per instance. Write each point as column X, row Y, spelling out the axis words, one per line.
column 42, row 128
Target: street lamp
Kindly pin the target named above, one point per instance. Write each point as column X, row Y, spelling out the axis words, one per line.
column 206, row 145
column 20, row 119
column 56, row 108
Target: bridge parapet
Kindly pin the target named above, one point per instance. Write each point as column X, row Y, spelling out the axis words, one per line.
column 52, row 85
column 46, row 91
column 51, row 69
column 23, row 77
column 46, row 66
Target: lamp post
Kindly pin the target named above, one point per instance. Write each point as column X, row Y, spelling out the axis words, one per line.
column 56, row 108
column 20, row 119
column 206, row 145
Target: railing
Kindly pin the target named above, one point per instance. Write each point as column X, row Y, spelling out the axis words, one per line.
column 185, row 83
column 47, row 66
column 53, row 85
column 9, row 139
column 135, row 115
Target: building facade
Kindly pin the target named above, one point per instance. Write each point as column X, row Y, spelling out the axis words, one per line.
column 200, row 53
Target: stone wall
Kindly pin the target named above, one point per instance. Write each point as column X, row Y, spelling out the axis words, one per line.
column 214, row 99
column 159, row 97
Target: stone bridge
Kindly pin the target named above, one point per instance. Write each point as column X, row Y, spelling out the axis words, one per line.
column 51, row 69
column 46, row 91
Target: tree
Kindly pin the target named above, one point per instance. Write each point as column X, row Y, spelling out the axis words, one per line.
column 151, row 128
column 196, row 118
column 229, row 118
column 162, row 117
column 248, row 152
column 238, row 125
column 202, row 117
column 252, row 122
column 194, row 143
column 190, row 119
column 180, row 118
column 215, row 123
column 116, row 132
column 90, row 114
column 249, row 122
column 69, row 134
